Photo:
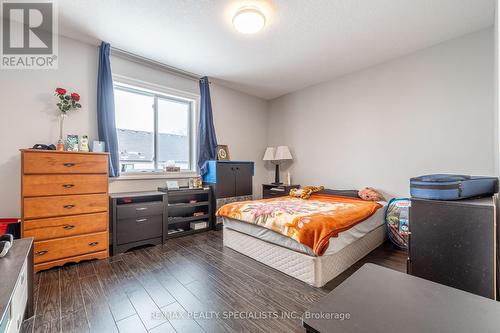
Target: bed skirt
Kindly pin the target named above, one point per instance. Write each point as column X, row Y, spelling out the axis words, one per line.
column 316, row 271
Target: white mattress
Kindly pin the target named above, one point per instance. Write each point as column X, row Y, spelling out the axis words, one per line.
column 336, row 243
column 316, row 271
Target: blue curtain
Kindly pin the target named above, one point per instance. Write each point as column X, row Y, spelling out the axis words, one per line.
column 207, row 141
column 106, row 110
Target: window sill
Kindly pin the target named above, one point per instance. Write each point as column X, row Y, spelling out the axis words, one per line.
column 172, row 175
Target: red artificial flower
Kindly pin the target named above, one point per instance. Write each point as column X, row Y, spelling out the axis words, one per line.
column 75, row 97
column 60, row 91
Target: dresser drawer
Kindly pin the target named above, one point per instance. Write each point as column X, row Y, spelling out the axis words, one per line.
column 273, row 194
column 70, row 246
column 138, row 229
column 20, row 298
column 39, row 207
column 132, row 211
column 42, row 185
column 51, row 163
column 57, row 227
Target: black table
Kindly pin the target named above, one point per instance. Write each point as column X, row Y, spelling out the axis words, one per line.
column 377, row 299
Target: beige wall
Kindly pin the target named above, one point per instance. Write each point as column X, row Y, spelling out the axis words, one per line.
column 241, row 122
column 431, row 111
column 428, row 112
column 28, row 114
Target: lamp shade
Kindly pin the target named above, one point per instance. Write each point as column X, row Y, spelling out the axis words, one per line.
column 283, row 153
column 269, row 154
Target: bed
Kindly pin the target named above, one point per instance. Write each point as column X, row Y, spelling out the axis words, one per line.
column 299, row 261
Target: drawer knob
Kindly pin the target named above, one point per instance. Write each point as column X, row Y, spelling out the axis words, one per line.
column 141, row 208
column 93, row 243
column 68, row 185
column 69, row 206
column 69, row 165
column 141, row 220
column 41, row 253
column 69, row 227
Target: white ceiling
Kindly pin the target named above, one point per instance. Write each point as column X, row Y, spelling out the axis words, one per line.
column 304, row 42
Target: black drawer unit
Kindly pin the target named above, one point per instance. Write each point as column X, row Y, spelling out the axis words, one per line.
column 276, row 190
column 137, row 219
column 455, row 243
column 138, row 210
column 138, row 229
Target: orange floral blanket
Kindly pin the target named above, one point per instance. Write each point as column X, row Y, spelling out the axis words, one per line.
column 311, row 222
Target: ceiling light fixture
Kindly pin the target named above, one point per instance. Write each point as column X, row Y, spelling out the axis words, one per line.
column 249, row 20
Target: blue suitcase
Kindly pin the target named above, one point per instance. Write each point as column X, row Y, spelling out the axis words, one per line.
column 452, row 187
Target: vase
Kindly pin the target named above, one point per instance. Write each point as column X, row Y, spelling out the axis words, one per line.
column 60, row 142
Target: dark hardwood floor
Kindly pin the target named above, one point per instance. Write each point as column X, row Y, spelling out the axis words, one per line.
column 191, row 284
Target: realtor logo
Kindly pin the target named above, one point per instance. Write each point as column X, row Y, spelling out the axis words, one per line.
column 29, row 34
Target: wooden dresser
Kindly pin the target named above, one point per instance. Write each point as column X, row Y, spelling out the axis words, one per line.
column 64, row 198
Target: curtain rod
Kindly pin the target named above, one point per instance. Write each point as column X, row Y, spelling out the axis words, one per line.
column 142, row 60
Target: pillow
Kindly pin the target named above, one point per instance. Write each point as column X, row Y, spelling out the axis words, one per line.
column 370, row 194
column 342, row 193
column 305, row 192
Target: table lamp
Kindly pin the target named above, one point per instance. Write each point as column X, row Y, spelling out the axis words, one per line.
column 277, row 156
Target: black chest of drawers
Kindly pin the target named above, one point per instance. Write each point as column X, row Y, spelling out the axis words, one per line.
column 455, row 243
column 273, row 191
column 137, row 219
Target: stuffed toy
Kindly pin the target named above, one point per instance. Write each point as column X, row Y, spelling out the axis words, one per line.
column 305, row 192
column 370, row 194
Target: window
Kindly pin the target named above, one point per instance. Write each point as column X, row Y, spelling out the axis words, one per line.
column 154, row 130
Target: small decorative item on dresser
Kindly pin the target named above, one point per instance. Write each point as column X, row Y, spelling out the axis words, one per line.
column 170, row 167
column 273, row 191
column 66, row 103
column 84, row 143
column 198, row 182
column 72, row 142
column 98, row 146
column 223, row 153
column 172, row 184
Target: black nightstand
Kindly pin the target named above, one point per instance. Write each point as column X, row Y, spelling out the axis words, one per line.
column 272, row 191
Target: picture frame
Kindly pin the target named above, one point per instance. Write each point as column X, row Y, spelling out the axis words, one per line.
column 98, row 147
column 223, row 153
column 72, row 142
column 172, row 184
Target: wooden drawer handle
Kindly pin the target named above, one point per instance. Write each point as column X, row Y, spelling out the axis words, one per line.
column 93, row 243
column 69, row 206
column 41, row 253
column 68, row 185
column 141, row 208
column 69, row 165
column 141, row 220
column 69, row 227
